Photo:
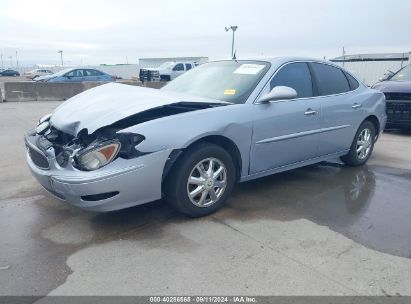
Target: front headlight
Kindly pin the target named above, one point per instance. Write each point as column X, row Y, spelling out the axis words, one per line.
column 43, row 124
column 44, row 118
column 98, row 155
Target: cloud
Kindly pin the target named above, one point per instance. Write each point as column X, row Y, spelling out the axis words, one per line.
column 108, row 31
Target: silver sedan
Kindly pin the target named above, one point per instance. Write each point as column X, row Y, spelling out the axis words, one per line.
column 117, row 146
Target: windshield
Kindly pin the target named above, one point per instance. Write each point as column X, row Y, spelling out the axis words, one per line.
column 231, row 81
column 403, row 74
column 166, row 65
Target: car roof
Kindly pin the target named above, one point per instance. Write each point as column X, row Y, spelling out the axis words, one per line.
column 283, row 59
column 276, row 62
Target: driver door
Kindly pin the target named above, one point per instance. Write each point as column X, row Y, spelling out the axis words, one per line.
column 178, row 70
column 286, row 132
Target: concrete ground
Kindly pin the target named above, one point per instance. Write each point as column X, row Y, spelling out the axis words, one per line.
column 319, row 230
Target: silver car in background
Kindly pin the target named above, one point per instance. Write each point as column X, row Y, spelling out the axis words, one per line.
column 117, row 146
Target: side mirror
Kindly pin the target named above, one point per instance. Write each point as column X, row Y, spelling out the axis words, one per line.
column 278, row 93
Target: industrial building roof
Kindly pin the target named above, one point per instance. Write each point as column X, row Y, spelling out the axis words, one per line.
column 373, row 57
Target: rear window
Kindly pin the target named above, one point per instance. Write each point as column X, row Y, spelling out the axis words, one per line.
column 354, row 84
column 330, row 80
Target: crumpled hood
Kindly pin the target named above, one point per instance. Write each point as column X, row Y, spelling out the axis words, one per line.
column 393, row 86
column 108, row 103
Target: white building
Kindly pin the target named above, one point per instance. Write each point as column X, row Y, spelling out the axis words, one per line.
column 155, row 62
column 369, row 68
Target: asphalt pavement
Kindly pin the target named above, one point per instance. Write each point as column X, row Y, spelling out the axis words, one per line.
column 320, row 230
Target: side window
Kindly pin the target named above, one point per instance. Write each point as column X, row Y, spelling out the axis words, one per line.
column 297, row 76
column 71, row 73
column 188, row 66
column 331, row 80
column 179, row 67
column 352, row 81
column 91, row 73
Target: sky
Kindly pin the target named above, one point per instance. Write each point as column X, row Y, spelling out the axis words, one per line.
column 110, row 32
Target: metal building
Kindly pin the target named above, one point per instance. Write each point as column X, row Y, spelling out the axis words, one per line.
column 369, row 68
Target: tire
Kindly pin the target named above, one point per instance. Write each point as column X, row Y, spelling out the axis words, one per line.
column 366, row 132
column 177, row 185
column 165, row 78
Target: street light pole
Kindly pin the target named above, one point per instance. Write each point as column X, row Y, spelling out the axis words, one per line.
column 232, row 28
column 17, row 60
column 61, row 57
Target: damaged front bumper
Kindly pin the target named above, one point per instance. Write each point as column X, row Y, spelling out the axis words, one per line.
column 122, row 183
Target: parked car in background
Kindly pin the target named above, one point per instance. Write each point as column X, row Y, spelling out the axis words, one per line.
column 167, row 71
column 397, row 90
column 76, row 75
column 220, row 123
column 9, row 72
column 37, row 73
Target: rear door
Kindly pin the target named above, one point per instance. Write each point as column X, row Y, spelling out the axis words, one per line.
column 340, row 106
column 92, row 75
column 286, row 132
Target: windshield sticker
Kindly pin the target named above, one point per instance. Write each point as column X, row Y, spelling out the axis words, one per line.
column 250, row 69
column 229, row 92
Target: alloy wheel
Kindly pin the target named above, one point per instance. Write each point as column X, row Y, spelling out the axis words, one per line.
column 207, row 182
column 364, row 144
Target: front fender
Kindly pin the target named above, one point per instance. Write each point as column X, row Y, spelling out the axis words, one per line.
column 181, row 130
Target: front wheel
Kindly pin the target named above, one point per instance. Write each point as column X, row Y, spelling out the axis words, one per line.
column 362, row 145
column 201, row 181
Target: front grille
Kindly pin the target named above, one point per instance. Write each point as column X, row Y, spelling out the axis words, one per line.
column 154, row 74
column 397, row 96
column 398, row 111
column 144, row 75
column 38, row 159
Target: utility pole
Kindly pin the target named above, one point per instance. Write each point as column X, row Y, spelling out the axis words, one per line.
column 343, row 53
column 17, row 60
column 61, row 57
column 232, row 28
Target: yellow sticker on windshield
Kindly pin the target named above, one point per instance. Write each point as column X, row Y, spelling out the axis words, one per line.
column 229, row 92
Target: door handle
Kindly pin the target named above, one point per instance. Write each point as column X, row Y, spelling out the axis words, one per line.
column 310, row 112
column 356, row 106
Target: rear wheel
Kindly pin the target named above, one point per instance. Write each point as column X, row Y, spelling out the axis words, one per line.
column 201, row 181
column 362, row 145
